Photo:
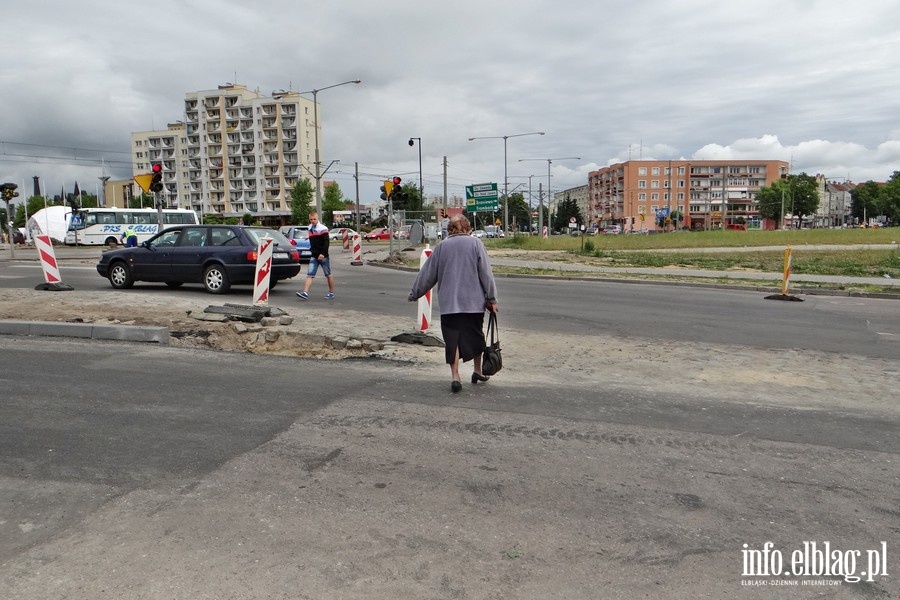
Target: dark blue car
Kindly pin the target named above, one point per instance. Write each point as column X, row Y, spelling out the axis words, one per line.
column 215, row 255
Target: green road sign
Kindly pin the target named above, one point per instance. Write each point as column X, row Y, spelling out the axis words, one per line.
column 482, row 197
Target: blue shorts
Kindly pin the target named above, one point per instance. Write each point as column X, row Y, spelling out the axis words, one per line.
column 315, row 263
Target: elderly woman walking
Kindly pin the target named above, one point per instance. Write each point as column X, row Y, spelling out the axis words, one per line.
column 462, row 271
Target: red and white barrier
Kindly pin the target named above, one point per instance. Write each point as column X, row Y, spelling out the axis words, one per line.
column 48, row 259
column 788, row 253
column 263, row 272
column 346, row 240
column 424, row 304
column 357, row 250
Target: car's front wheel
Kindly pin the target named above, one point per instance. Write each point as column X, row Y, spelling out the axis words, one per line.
column 120, row 276
column 215, row 280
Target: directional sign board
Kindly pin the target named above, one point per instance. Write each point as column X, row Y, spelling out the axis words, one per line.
column 482, row 197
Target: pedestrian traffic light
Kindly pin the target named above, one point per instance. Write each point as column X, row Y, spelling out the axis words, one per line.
column 9, row 191
column 156, row 183
column 386, row 190
column 441, row 214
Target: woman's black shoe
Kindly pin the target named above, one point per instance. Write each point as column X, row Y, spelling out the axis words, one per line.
column 455, row 386
column 476, row 377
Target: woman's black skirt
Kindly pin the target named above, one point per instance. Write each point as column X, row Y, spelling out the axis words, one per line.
column 463, row 332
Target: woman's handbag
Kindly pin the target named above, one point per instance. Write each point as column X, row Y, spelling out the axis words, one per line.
column 491, row 360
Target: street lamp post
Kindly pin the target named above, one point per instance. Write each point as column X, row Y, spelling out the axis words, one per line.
column 530, row 198
column 505, row 181
column 315, row 94
column 412, row 142
column 541, row 207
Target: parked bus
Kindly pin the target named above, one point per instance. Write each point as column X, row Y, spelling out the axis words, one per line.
column 104, row 226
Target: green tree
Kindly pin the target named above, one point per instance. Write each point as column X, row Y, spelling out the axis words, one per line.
column 804, row 195
column 800, row 194
column 889, row 198
column 332, row 201
column 865, row 199
column 566, row 209
column 410, row 199
column 519, row 215
column 141, row 201
column 769, row 200
column 301, row 201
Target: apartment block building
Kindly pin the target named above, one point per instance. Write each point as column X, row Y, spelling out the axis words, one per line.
column 709, row 194
column 168, row 148
column 835, row 202
column 579, row 194
column 236, row 152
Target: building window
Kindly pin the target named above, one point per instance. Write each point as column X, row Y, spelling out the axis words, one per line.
column 654, row 171
column 642, row 197
column 655, row 184
column 654, row 197
column 642, row 184
column 681, row 183
column 680, row 196
column 681, row 170
column 642, row 171
column 665, row 183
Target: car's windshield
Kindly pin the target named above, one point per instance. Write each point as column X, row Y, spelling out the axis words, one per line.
column 166, row 238
column 257, row 234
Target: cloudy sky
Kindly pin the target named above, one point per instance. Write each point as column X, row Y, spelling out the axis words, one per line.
column 814, row 82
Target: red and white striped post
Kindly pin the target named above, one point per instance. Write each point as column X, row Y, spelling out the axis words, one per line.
column 48, row 259
column 357, row 250
column 346, row 240
column 52, row 280
column 263, row 272
column 788, row 253
column 423, row 315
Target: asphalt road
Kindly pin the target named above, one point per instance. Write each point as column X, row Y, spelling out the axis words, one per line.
column 863, row 326
column 142, row 472
column 136, row 471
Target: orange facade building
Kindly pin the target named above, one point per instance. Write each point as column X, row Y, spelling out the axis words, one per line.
column 694, row 194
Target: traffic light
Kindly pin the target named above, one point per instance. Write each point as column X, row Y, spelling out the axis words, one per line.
column 156, row 183
column 386, row 190
column 396, row 189
column 9, row 191
column 441, row 214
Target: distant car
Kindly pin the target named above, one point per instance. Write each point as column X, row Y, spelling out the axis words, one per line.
column 215, row 255
column 492, row 231
column 613, row 230
column 403, row 234
column 381, row 233
column 338, row 233
column 298, row 236
column 479, row 233
column 18, row 237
